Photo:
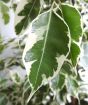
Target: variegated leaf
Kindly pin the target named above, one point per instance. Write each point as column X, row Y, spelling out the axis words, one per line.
column 73, row 20
column 50, row 37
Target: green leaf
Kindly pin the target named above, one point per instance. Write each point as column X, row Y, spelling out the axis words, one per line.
column 52, row 39
column 1, row 48
column 61, row 81
column 66, row 69
column 73, row 19
column 6, row 18
column 4, row 10
column 74, row 53
column 29, row 12
column 2, row 65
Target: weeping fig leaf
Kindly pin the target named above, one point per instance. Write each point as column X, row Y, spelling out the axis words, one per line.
column 51, row 41
column 26, row 14
column 61, row 81
column 4, row 11
column 73, row 19
column 74, row 53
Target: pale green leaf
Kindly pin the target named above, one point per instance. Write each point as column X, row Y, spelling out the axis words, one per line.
column 4, row 11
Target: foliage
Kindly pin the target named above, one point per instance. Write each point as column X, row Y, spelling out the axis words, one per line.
column 51, row 56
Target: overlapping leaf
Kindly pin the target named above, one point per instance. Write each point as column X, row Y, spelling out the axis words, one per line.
column 60, row 80
column 73, row 19
column 74, row 53
column 29, row 12
column 65, row 83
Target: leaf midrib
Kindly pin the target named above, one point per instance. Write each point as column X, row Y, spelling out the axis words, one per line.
column 45, row 41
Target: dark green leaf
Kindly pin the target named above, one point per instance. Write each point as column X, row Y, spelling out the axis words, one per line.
column 30, row 11
column 72, row 86
column 2, row 64
column 74, row 53
column 61, row 81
